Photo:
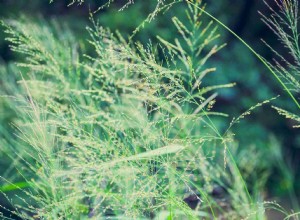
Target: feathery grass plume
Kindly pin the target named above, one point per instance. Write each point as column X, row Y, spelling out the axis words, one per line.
column 288, row 115
column 248, row 112
column 107, row 3
column 259, row 57
column 125, row 133
column 283, row 21
column 284, row 24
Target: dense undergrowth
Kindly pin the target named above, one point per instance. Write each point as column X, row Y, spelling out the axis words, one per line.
column 128, row 130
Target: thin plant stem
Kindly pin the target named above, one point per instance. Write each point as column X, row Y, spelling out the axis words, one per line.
column 252, row 50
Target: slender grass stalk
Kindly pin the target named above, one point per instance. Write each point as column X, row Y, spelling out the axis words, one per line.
column 294, row 216
column 252, row 50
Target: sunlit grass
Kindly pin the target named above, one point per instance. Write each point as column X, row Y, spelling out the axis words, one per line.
column 127, row 132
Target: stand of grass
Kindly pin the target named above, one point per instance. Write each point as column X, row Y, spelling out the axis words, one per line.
column 125, row 132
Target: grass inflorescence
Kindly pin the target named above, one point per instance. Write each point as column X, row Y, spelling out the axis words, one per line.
column 124, row 132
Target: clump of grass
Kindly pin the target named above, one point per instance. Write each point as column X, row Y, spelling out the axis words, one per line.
column 126, row 132
column 119, row 133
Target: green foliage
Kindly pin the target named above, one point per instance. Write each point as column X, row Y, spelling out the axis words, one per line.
column 118, row 132
column 125, row 131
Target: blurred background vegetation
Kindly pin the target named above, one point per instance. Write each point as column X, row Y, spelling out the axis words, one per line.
column 262, row 134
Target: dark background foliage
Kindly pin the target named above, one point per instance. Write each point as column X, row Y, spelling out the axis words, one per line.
column 234, row 64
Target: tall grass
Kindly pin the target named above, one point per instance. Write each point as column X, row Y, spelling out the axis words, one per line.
column 124, row 132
